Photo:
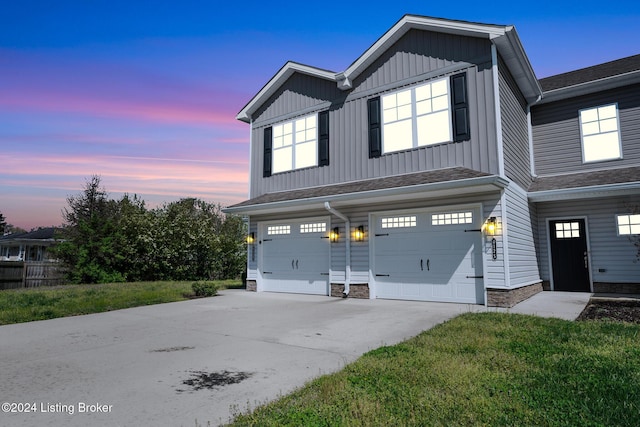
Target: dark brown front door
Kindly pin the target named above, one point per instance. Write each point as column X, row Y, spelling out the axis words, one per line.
column 569, row 257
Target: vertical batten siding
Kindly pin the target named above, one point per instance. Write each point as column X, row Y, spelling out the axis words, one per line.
column 608, row 251
column 515, row 132
column 521, row 235
column 556, row 131
column 404, row 63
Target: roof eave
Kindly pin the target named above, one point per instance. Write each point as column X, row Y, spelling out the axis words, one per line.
column 435, row 190
column 595, row 191
column 510, row 48
column 590, row 87
column 278, row 80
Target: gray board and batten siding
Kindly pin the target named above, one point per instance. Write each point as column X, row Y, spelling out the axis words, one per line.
column 417, row 56
column 556, row 131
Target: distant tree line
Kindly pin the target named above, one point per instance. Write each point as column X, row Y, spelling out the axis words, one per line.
column 108, row 240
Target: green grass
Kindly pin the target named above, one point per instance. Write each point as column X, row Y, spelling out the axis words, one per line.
column 492, row 369
column 26, row 305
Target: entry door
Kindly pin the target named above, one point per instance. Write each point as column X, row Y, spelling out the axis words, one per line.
column 569, row 256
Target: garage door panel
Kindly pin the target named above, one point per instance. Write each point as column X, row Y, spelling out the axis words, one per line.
column 429, row 260
column 296, row 261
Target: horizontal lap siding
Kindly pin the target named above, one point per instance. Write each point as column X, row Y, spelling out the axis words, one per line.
column 616, row 254
column 521, row 236
column 556, row 131
column 409, row 58
column 515, row 132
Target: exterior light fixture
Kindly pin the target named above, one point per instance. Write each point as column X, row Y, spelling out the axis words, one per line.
column 358, row 234
column 251, row 238
column 334, row 235
column 491, row 226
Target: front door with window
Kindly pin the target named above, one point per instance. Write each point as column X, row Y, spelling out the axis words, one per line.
column 569, row 255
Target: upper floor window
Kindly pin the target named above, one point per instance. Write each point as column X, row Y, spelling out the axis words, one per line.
column 423, row 115
column 600, row 133
column 295, row 144
column 416, row 117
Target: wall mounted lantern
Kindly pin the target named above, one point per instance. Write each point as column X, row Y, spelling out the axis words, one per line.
column 334, row 235
column 358, row 234
column 491, row 226
column 251, row 238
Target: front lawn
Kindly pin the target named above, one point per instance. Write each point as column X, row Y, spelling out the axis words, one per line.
column 479, row 369
column 26, row 305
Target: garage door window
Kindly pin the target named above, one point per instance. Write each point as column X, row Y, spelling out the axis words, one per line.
column 315, row 227
column 278, row 229
column 399, row 221
column 450, row 218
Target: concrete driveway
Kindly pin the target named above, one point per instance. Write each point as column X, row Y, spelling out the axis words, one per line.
column 167, row 365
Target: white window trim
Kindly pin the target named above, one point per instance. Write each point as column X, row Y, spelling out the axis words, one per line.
column 617, row 218
column 294, row 143
column 617, row 133
column 414, row 116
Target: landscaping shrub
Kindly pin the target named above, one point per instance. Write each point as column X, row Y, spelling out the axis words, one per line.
column 205, row 289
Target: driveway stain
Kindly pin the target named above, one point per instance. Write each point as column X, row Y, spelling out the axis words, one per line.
column 213, row 380
column 170, row 349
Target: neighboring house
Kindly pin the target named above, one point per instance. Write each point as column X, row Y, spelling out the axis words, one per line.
column 31, row 246
column 438, row 168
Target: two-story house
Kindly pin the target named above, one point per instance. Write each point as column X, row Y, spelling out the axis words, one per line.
column 421, row 173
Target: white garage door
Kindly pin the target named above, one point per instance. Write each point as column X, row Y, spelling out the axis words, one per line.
column 429, row 256
column 295, row 256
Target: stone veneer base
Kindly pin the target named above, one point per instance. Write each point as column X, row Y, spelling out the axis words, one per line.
column 356, row 290
column 509, row 297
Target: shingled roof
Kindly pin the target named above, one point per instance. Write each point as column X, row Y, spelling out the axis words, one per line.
column 623, row 177
column 593, row 73
column 407, row 180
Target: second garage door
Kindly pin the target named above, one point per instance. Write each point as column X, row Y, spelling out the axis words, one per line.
column 429, row 255
column 295, row 256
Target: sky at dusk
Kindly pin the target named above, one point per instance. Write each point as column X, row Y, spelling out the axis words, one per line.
column 145, row 93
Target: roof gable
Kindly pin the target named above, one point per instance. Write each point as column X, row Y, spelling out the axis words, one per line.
column 503, row 37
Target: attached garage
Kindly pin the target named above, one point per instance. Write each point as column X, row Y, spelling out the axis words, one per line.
column 295, row 256
column 433, row 255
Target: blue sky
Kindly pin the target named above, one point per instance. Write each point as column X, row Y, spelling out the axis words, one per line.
column 145, row 93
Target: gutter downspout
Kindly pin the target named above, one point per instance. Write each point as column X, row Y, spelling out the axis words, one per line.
column 343, row 217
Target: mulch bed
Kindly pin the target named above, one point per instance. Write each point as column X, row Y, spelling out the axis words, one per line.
column 612, row 310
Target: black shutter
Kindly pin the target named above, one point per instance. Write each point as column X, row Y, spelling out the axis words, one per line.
column 460, row 103
column 375, row 130
column 323, row 138
column 268, row 141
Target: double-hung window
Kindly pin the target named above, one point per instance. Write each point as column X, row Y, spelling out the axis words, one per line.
column 295, row 144
column 600, row 133
column 416, row 117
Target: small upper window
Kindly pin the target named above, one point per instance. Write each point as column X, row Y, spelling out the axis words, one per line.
column 600, row 133
column 628, row 224
column 295, row 144
column 567, row 230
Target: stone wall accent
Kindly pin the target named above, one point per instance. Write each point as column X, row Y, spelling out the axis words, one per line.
column 252, row 285
column 356, row 290
column 509, row 297
column 616, row 288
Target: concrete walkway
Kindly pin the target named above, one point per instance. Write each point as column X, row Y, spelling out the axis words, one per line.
column 144, row 366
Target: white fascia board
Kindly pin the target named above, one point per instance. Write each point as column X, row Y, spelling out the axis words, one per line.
column 276, row 81
column 586, row 88
column 485, row 184
column 595, row 191
column 409, row 22
column 513, row 53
